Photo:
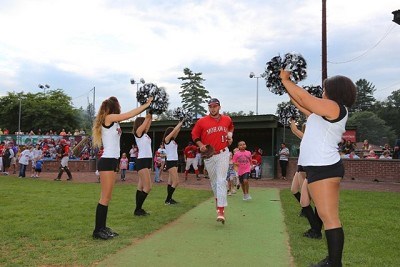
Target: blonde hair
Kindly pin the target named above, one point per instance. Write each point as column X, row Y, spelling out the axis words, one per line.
column 109, row 106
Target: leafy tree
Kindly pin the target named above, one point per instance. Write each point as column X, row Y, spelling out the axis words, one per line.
column 193, row 92
column 50, row 111
column 389, row 111
column 371, row 127
column 365, row 98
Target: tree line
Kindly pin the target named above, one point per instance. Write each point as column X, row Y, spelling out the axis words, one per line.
column 377, row 121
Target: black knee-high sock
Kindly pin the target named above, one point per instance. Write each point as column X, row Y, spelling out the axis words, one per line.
column 335, row 240
column 170, row 192
column 310, row 215
column 141, row 197
column 319, row 221
column 137, row 198
column 297, row 196
column 101, row 217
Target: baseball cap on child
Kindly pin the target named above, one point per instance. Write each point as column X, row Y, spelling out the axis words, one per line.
column 213, row 101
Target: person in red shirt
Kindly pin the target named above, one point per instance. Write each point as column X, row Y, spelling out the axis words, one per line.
column 256, row 161
column 63, row 154
column 190, row 158
column 215, row 130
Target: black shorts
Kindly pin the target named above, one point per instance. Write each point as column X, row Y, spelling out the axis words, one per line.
column 316, row 173
column 144, row 163
column 300, row 168
column 107, row 164
column 244, row 176
column 38, row 170
column 171, row 163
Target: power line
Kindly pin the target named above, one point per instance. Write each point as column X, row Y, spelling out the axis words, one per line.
column 368, row 50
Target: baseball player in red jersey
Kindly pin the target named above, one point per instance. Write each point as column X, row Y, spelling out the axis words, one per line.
column 190, row 159
column 216, row 130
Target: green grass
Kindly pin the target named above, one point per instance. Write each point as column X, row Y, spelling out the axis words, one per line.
column 371, row 222
column 49, row 223
column 44, row 223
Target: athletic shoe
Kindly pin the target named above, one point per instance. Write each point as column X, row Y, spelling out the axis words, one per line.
column 325, row 262
column 110, row 232
column 220, row 217
column 229, row 193
column 233, row 191
column 69, row 179
column 314, row 234
column 245, row 197
column 101, row 234
column 173, row 202
column 248, row 197
column 57, row 179
column 32, row 176
column 140, row 212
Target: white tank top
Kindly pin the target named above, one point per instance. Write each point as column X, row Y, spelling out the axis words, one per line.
column 110, row 137
column 144, row 146
column 319, row 145
column 172, row 150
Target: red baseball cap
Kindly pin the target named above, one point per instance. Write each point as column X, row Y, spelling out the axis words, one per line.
column 213, row 101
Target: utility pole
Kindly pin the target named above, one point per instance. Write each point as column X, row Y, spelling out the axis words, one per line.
column 324, row 49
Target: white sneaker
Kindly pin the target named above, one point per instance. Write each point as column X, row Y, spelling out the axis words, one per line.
column 245, row 197
column 248, row 197
column 97, row 173
column 229, row 193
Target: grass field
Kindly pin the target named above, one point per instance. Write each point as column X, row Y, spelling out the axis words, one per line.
column 371, row 223
column 48, row 223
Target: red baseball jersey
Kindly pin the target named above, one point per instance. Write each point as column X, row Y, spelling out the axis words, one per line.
column 190, row 151
column 213, row 131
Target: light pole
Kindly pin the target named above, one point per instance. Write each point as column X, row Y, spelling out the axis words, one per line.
column 141, row 81
column 19, row 117
column 41, row 86
column 252, row 75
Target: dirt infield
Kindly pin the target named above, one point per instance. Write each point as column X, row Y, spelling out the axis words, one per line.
column 192, row 182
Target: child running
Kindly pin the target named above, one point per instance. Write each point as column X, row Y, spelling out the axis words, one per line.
column 242, row 159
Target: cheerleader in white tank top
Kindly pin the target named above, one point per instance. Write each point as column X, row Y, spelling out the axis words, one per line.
column 171, row 147
column 319, row 154
column 107, row 133
column 140, row 128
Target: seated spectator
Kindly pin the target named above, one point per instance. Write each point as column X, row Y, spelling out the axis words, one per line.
column 366, row 148
column 348, row 147
column 63, row 133
column 351, row 155
column 6, row 131
column 1, row 132
column 82, row 132
column 371, row 155
column 385, row 155
column 76, row 132
column 386, row 147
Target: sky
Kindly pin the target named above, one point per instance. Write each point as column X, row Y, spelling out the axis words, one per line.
column 93, row 48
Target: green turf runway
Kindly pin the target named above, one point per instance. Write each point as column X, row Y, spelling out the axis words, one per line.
column 253, row 235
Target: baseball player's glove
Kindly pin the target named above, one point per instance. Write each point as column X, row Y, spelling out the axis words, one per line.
column 208, row 153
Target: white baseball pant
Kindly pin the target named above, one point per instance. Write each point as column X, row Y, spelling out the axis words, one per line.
column 217, row 167
column 191, row 161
